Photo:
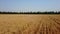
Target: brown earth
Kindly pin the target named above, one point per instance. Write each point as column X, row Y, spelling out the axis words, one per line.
column 29, row 24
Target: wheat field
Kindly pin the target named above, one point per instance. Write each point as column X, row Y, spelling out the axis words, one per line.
column 29, row 24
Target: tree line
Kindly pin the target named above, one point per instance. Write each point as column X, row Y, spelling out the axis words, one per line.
column 52, row 12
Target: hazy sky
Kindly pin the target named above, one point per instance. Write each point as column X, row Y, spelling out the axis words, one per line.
column 29, row 5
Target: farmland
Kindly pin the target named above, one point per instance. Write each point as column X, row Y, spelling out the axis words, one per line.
column 29, row 24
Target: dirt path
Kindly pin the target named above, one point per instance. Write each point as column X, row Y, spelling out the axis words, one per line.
column 29, row 24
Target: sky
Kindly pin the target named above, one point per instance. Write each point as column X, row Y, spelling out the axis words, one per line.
column 29, row 5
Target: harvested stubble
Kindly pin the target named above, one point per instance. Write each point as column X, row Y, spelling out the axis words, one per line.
column 29, row 24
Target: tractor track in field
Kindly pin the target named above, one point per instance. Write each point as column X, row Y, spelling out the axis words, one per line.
column 56, row 23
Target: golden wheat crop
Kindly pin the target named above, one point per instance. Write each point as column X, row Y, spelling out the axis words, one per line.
column 29, row 24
